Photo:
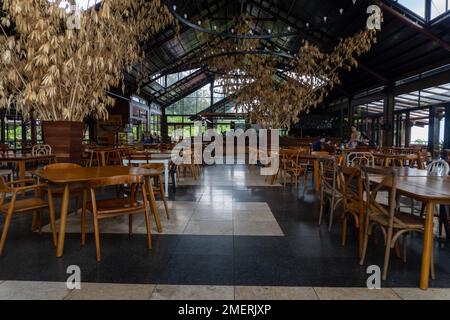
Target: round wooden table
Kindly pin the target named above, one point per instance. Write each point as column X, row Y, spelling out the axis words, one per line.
column 83, row 175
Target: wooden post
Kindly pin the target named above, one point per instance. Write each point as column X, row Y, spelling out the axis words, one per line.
column 389, row 104
column 33, row 128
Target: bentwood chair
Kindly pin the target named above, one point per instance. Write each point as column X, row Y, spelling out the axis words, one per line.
column 159, row 188
column 118, row 206
column 329, row 189
column 41, row 150
column 360, row 159
column 351, row 187
column 393, row 224
column 21, row 203
column 76, row 189
column 440, row 168
column 292, row 167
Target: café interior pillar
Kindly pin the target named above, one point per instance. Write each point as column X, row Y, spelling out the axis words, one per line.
column 389, row 105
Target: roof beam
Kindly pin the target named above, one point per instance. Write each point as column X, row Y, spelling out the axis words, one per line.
column 414, row 25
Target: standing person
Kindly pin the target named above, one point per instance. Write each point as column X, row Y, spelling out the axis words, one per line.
column 355, row 137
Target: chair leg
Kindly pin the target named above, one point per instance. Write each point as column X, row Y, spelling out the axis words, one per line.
column 83, row 218
column 76, row 205
column 39, row 222
column 422, row 210
column 6, row 226
column 405, row 247
column 344, row 230
column 153, row 205
column 432, row 267
column 163, row 196
column 387, row 253
column 147, row 219
column 130, row 226
column 321, row 207
column 51, row 211
column 364, row 248
column 97, row 238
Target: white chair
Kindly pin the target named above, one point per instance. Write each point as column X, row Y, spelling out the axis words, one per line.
column 41, row 150
column 360, row 159
column 439, row 167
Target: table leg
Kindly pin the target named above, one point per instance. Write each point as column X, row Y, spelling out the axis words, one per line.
column 153, row 205
column 316, row 175
column 427, row 246
column 104, row 159
column 21, row 165
column 63, row 221
column 166, row 178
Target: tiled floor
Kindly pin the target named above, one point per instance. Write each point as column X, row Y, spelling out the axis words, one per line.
column 226, row 239
column 194, row 218
column 39, row 290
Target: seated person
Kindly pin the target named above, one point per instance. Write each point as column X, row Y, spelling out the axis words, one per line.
column 318, row 145
column 368, row 143
column 329, row 147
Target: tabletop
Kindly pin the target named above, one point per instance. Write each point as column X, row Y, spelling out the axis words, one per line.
column 22, row 157
column 422, row 188
column 63, row 176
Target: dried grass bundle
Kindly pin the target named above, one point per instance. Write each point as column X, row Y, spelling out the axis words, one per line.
column 63, row 73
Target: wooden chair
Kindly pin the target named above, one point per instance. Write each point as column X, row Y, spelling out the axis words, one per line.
column 159, row 189
column 329, row 189
column 41, row 150
column 191, row 167
column 7, row 173
column 359, row 159
column 352, row 197
column 119, row 206
column 21, row 204
column 292, row 167
column 76, row 189
column 392, row 223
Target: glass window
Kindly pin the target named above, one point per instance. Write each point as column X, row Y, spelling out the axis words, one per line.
column 416, row 6
column 439, row 7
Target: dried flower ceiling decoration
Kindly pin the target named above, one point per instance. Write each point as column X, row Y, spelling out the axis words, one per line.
column 274, row 86
column 61, row 63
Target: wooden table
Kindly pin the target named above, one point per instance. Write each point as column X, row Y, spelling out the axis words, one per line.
column 431, row 190
column 400, row 158
column 315, row 159
column 21, row 160
column 102, row 154
column 83, row 175
column 150, row 157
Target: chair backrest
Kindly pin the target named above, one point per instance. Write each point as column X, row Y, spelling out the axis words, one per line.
column 376, row 179
column 351, row 184
column 328, row 174
column 290, row 156
column 153, row 166
column 61, row 166
column 320, row 153
column 439, row 167
column 116, row 181
column 360, row 159
column 41, row 150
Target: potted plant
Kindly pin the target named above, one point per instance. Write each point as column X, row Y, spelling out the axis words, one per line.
column 60, row 61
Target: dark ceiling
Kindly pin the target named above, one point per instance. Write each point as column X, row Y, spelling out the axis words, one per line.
column 407, row 45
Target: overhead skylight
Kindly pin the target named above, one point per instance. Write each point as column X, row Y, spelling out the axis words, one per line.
column 416, row 6
column 439, row 7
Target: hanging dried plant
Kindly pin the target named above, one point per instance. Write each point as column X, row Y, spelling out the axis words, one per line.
column 273, row 97
column 64, row 73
